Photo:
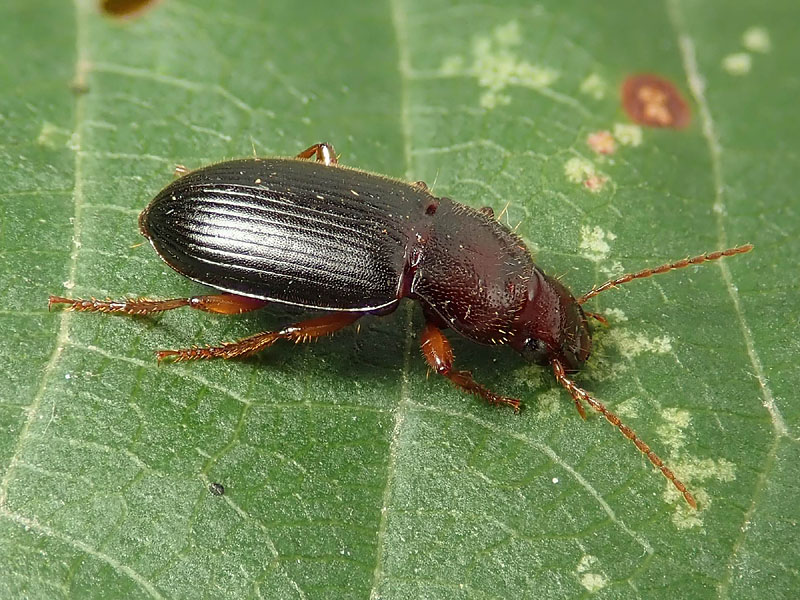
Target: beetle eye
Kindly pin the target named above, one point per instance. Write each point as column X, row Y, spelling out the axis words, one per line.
column 535, row 350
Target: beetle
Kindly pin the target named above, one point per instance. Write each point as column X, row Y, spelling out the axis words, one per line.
column 323, row 236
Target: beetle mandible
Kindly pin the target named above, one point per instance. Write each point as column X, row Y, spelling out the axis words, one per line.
column 323, row 236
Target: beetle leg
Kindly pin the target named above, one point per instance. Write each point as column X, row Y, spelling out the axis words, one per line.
column 580, row 395
column 181, row 170
column 324, row 153
column 597, row 317
column 439, row 355
column 224, row 304
column 299, row 332
column 487, row 210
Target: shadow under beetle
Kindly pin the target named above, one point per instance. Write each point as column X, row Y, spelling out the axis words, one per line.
column 323, row 236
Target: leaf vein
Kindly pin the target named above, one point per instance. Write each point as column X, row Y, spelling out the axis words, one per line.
column 398, row 19
column 696, row 86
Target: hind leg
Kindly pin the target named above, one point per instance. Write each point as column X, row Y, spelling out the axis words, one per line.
column 224, row 304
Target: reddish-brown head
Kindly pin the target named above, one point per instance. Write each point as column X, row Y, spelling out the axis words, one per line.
column 552, row 325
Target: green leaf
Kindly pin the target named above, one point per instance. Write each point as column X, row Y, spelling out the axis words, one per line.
column 347, row 472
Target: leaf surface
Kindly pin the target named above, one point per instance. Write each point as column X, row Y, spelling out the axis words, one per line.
column 347, row 472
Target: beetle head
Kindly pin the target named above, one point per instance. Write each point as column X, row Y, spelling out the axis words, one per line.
column 552, row 325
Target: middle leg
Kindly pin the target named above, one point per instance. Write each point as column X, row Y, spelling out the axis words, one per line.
column 304, row 331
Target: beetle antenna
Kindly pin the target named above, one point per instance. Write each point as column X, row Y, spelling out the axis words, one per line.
column 695, row 260
column 580, row 395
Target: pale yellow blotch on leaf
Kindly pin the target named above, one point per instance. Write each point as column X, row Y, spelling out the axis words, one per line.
column 615, row 314
column 627, row 134
column 671, row 430
column 497, row 65
column 581, row 170
column 578, row 169
column 548, row 403
column 594, row 86
column 52, row 136
column 756, row 39
column 694, row 470
column 612, row 269
column 595, row 243
column 630, row 408
column 689, row 469
column 508, row 34
column 593, row 582
column 632, row 344
column 737, row 64
column 452, row 65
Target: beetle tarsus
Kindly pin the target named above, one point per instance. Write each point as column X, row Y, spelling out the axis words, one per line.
column 580, row 395
column 133, row 306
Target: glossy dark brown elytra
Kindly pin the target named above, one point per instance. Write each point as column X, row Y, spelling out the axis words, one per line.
column 327, row 237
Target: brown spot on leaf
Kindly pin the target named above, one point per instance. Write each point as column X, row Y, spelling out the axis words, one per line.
column 653, row 101
column 601, row 142
column 125, row 8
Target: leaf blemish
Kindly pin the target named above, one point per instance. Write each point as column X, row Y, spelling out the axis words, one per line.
column 602, row 142
column 756, row 39
column 591, row 581
column 548, row 403
column 496, row 66
column 630, row 408
column 632, row 344
column 654, row 101
column 581, row 170
column 52, row 136
column 594, row 86
column 615, row 314
column 739, row 63
column 628, row 135
column 594, row 243
column 629, row 345
column 689, row 468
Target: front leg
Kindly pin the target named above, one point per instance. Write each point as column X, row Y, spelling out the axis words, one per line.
column 439, row 355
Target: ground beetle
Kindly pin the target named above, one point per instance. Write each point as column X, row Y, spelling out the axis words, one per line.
column 323, row 236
